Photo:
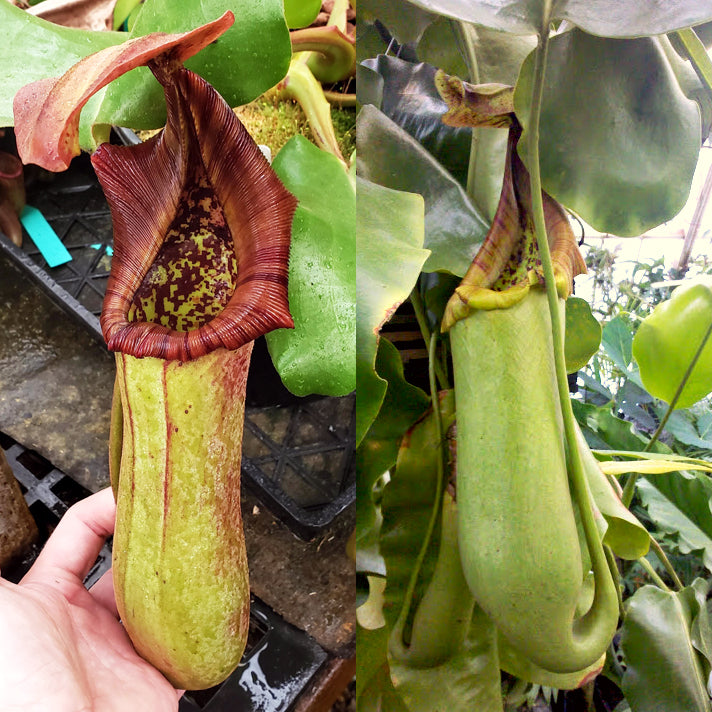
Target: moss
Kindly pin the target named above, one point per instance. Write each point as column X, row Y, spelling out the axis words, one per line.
column 272, row 121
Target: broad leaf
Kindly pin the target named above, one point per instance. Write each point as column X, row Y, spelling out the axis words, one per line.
column 52, row 51
column 609, row 18
column 470, row 680
column 603, row 430
column 668, row 340
column 249, row 59
column 583, row 334
column 617, row 342
column 666, row 639
column 681, row 425
column 408, row 501
column 319, row 354
column 404, row 20
column 374, row 689
column 389, row 245
column 402, row 405
column 389, row 156
column 679, row 506
column 300, row 13
column 411, row 100
column 607, row 171
column 630, row 400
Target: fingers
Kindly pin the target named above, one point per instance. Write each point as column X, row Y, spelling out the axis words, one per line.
column 103, row 593
column 75, row 544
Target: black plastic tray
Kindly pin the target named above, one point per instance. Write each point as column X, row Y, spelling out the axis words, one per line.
column 303, row 469
column 279, row 661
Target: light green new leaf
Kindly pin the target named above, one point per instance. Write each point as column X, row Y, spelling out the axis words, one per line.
column 608, row 18
column 389, row 156
column 668, row 340
column 607, row 170
column 665, row 641
column 651, row 467
column 402, row 405
column 679, row 506
column 35, row 49
column 252, row 56
column 583, row 334
column 319, row 354
column 389, row 246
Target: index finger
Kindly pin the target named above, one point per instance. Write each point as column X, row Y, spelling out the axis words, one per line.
column 75, row 543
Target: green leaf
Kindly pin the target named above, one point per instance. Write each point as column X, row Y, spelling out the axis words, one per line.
column 404, row 20
column 665, row 640
column 402, row 405
column 667, row 341
column 617, row 342
column 438, row 46
column 608, row 18
column 252, row 56
column 682, row 427
column 470, row 680
column 603, row 430
column 408, row 501
column 411, row 100
column 374, row 689
column 583, row 334
column 122, row 10
column 679, row 506
column 319, row 354
column 607, row 170
column 52, row 51
column 301, row 13
column 391, row 157
column 389, row 244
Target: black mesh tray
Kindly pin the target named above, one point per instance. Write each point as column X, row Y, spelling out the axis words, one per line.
column 303, row 472
column 279, row 660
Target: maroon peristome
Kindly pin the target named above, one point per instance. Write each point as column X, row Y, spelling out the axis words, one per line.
column 203, row 171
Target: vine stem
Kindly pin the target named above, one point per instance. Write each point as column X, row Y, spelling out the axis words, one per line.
column 419, row 308
column 629, row 489
column 603, row 577
column 470, row 56
column 666, row 563
column 653, row 574
column 697, row 53
column 396, row 640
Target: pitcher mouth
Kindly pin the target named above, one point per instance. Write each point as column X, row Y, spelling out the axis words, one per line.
column 202, row 225
column 202, row 232
column 507, row 264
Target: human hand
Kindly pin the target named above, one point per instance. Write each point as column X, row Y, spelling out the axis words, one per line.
column 62, row 648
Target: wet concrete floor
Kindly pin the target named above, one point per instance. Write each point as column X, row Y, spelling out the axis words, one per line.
column 56, row 385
